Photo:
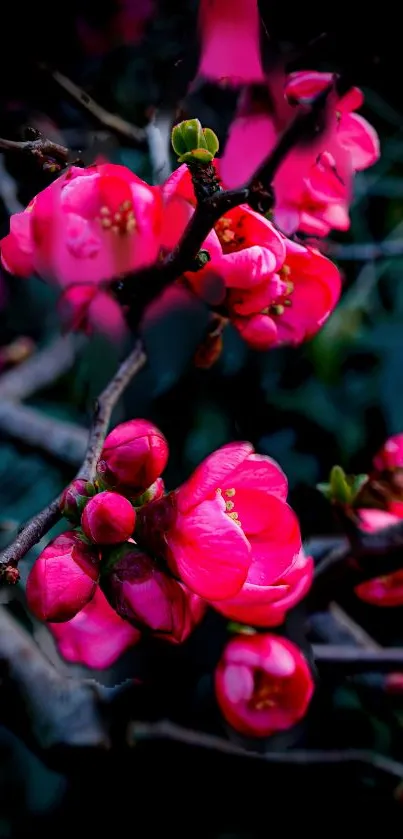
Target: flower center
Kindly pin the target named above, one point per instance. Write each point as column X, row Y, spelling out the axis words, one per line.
column 228, row 495
column 282, row 301
column 122, row 221
column 267, row 691
column 225, row 231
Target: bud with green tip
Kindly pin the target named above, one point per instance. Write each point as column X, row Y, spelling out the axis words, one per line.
column 74, row 499
column 342, row 488
column 192, row 143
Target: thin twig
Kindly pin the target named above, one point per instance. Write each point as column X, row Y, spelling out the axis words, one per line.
column 41, row 369
column 104, row 407
column 43, row 521
column 115, row 123
column 165, row 730
column 40, row 147
column 64, row 440
column 365, row 251
column 346, row 659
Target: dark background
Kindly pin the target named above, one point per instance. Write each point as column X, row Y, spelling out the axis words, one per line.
column 333, row 400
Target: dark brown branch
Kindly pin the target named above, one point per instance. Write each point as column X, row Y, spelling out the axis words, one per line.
column 346, row 660
column 115, row 123
column 41, row 148
column 142, row 732
column 42, row 523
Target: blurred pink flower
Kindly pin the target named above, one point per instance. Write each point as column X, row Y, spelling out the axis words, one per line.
column 230, row 42
column 313, row 184
column 96, row 637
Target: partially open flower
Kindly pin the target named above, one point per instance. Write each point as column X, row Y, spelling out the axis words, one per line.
column 263, row 684
column 63, row 579
column 108, row 519
column 134, row 455
column 142, row 593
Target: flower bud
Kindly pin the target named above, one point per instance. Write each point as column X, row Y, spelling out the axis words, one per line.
column 192, row 142
column 74, row 499
column 133, row 457
column 153, row 493
column 108, row 519
column 142, row 593
column 63, row 579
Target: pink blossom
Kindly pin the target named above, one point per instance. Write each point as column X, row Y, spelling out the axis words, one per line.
column 108, row 519
column 386, row 590
column 263, row 684
column 87, row 308
column 231, row 511
column 390, row 455
column 96, row 637
column 89, row 226
column 313, row 184
column 274, row 291
column 263, row 601
column 144, row 594
column 63, row 579
column 230, row 42
column 133, row 457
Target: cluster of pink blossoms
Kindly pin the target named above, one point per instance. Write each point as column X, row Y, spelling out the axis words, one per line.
column 140, row 560
column 93, row 225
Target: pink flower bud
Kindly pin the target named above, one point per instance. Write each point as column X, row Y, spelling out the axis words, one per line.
column 263, row 684
column 146, row 596
column 133, row 457
column 74, row 499
column 108, row 519
column 63, row 579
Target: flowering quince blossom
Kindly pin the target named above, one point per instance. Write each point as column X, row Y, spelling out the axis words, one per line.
column 313, row 184
column 230, row 47
column 96, row 637
column 263, row 684
column 263, row 601
column 142, row 593
column 63, row 579
column 229, row 513
column 87, row 227
column 275, row 291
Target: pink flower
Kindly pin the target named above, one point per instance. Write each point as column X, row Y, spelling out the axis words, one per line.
column 230, row 42
column 96, row 637
column 390, row 455
column 313, row 184
column 263, row 684
column 108, row 519
column 273, row 290
column 74, row 499
column 133, row 457
column 63, row 579
column 87, row 308
column 142, row 593
column 90, row 225
column 230, row 512
column 387, row 590
column 263, row 601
